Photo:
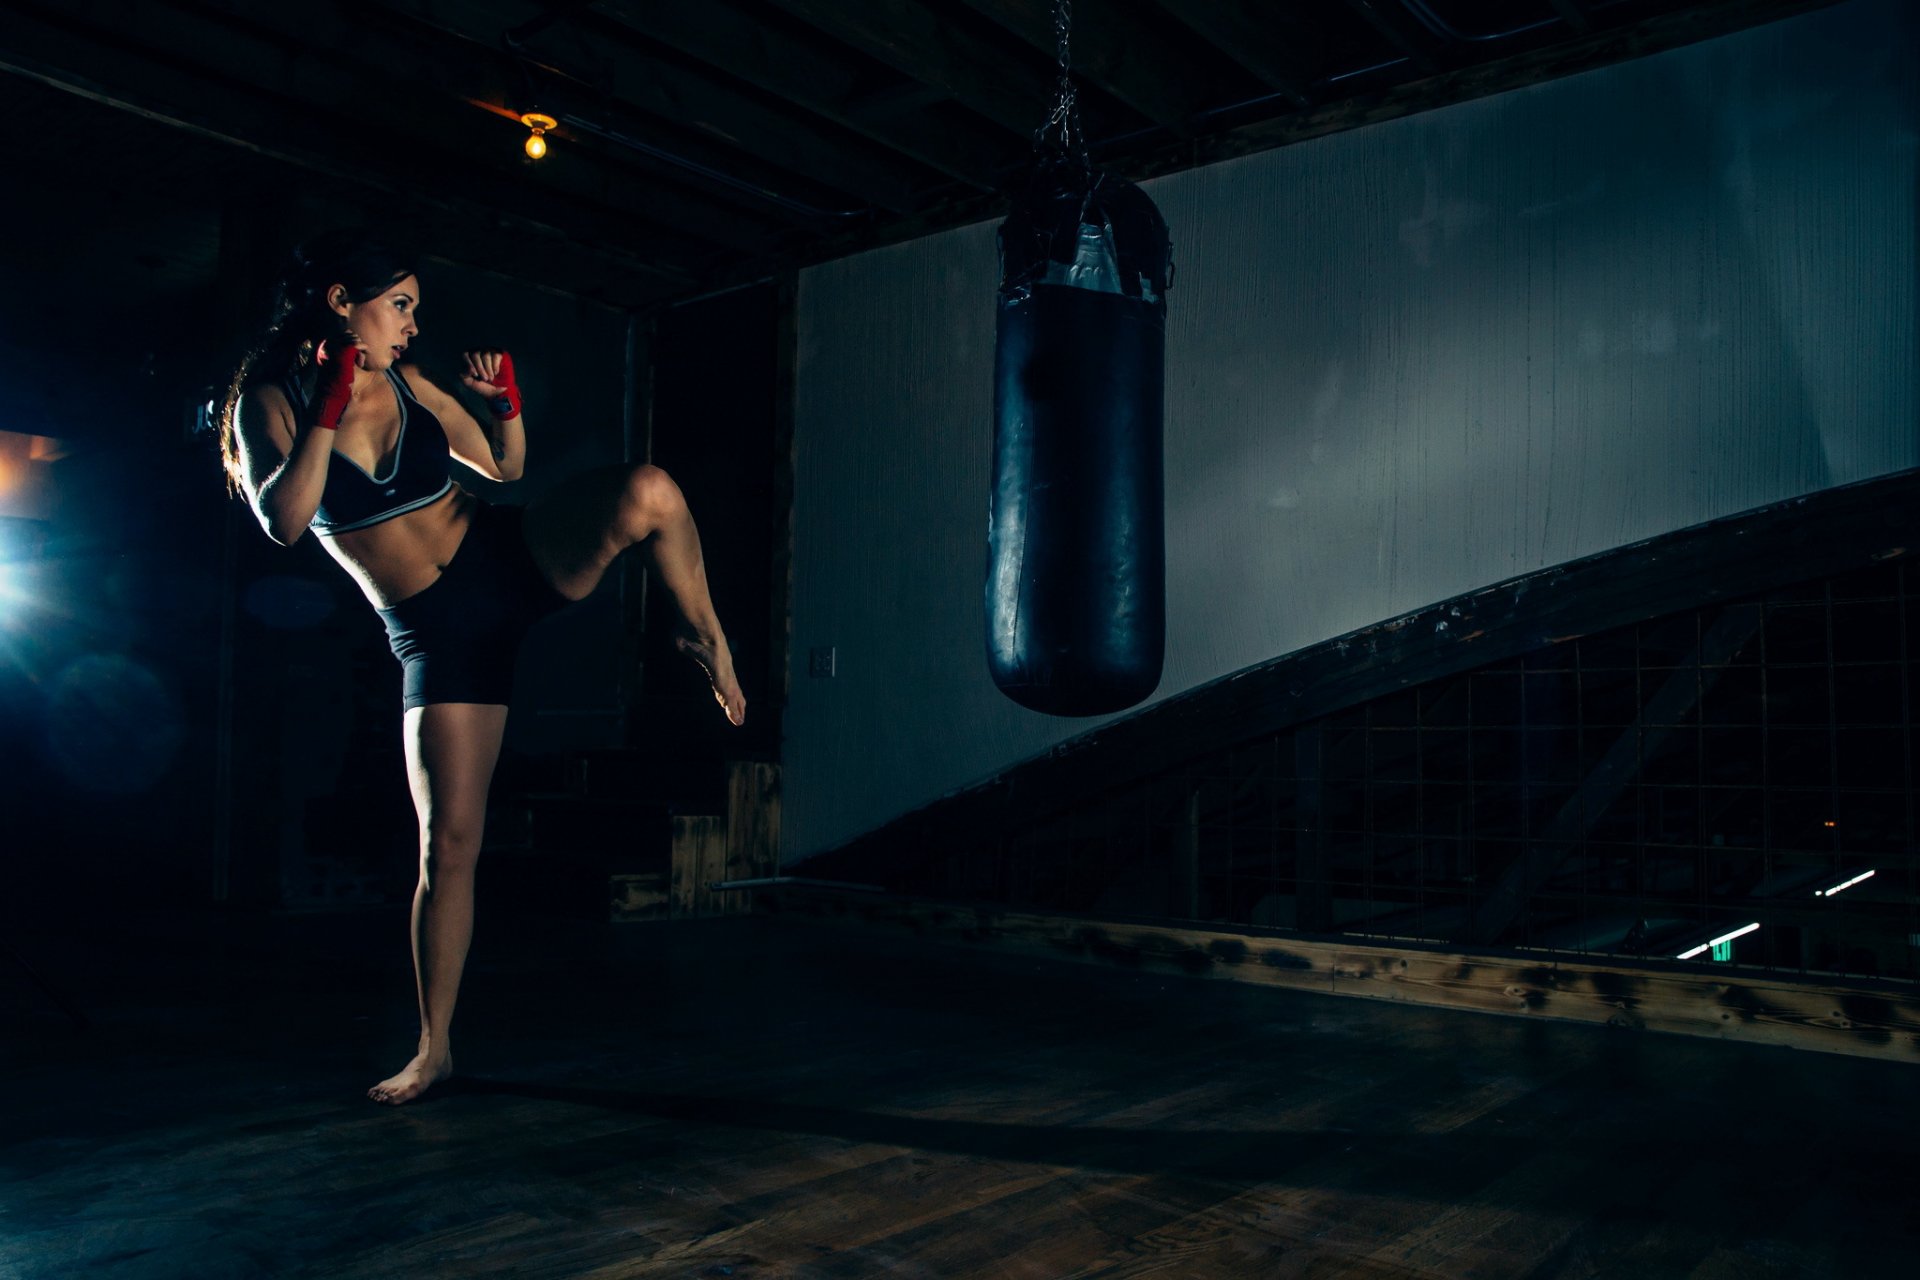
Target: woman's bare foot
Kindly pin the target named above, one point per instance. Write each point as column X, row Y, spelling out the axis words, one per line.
column 717, row 661
column 414, row 1079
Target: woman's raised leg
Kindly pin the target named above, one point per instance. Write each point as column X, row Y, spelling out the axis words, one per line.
column 451, row 750
column 576, row 529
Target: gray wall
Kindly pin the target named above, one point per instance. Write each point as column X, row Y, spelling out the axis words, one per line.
column 1403, row 362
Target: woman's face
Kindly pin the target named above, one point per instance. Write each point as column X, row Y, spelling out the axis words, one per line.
column 383, row 325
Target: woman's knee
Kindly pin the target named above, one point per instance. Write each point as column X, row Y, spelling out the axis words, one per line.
column 648, row 499
column 453, row 849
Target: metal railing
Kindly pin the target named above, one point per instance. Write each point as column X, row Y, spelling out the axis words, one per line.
column 1732, row 783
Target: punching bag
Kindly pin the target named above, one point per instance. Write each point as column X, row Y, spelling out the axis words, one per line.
column 1076, row 576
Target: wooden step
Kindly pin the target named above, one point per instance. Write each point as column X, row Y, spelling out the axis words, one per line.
column 741, row 844
column 636, row 861
column 638, row 898
column 629, row 835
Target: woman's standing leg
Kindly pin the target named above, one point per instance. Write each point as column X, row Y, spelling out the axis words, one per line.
column 576, row 529
column 451, row 750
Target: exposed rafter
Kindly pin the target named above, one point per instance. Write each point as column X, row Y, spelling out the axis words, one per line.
column 1391, row 21
column 1245, row 31
column 1576, row 15
column 827, row 82
column 1149, row 69
column 589, row 53
column 911, row 37
column 318, row 146
column 704, row 145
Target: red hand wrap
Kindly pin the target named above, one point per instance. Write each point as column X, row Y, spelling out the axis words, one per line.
column 335, row 388
column 507, row 404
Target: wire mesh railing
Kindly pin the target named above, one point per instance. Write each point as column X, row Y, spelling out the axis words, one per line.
column 1733, row 783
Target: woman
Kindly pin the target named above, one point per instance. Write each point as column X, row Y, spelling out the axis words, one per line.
column 327, row 427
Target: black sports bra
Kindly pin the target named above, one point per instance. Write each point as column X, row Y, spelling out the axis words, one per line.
column 355, row 499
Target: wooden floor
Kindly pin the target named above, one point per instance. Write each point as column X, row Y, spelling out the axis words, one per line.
column 750, row 1098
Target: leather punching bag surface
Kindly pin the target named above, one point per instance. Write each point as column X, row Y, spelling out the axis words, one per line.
column 1076, row 577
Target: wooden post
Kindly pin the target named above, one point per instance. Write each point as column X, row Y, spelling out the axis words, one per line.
column 1313, row 900
column 636, row 446
column 744, row 845
column 699, row 858
column 1186, row 858
column 250, row 233
column 786, row 346
column 753, row 829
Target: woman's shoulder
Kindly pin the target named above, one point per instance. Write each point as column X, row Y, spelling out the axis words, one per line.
column 264, row 395
column 285, row 385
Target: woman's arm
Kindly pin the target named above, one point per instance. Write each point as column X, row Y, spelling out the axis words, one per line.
column 284, row 471
column 499, row 454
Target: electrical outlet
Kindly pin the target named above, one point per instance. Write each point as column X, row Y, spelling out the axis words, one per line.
column 821, row 665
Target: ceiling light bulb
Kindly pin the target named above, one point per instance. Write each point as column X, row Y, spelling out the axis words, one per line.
column 539, row 122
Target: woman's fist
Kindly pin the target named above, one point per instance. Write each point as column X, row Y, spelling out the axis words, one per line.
column 490, row 375
column 336, row 358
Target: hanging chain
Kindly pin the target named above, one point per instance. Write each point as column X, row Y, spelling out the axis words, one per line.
column 1065, row 118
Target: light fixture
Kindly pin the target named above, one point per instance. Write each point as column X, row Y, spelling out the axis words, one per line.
column 1844, row 884
column 1724, row 940
column 539, row 122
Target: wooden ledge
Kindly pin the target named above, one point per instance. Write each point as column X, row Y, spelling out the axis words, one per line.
column 1866, row 1019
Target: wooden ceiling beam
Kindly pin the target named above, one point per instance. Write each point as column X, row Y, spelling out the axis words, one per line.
column 809, row 75
column 914, row 40
column 1600, row 48
column 1117, row 52
column 898, row 99
column 1575, row 14
column 595, row 52
column 1400, row 33
column 185, row 97
column 293, row 83
column 1585, row 53
column 1244, row 31
column 456, row 105
column 272, row 90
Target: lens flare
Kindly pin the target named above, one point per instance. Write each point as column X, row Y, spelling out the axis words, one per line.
column 111, row 724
